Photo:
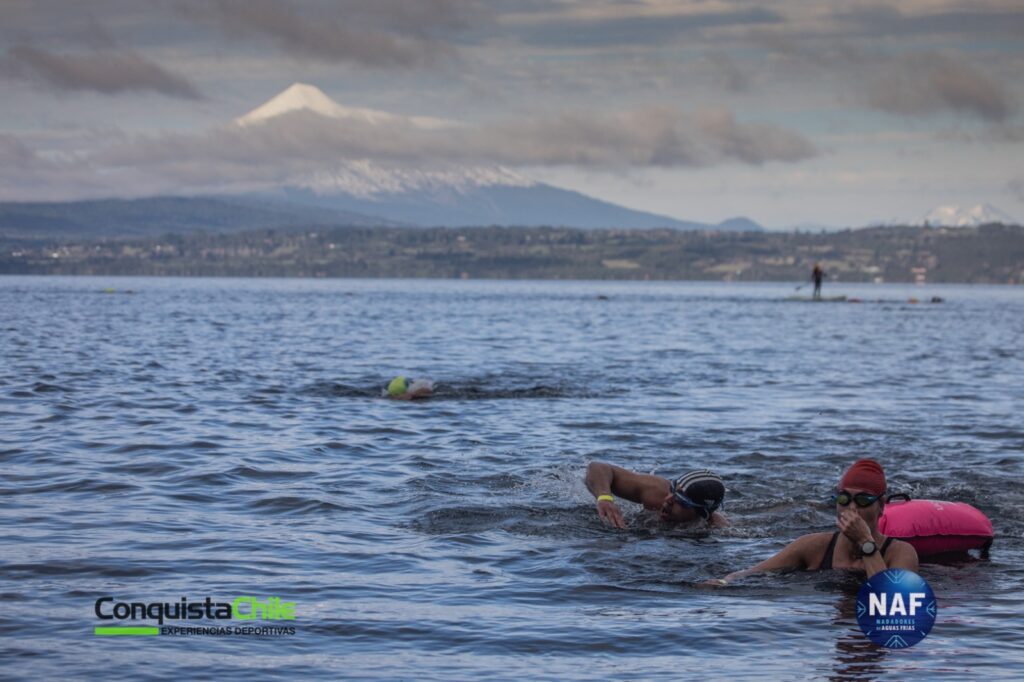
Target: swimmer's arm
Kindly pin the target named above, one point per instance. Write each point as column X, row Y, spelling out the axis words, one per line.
column 791, row 557
column 719, row 520
column 647, row 489
column 600, row 478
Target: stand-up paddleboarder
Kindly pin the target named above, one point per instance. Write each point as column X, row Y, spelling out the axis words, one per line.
column 817, row 275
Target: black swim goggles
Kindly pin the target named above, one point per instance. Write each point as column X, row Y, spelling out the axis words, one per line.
column 706, row 510
column 843, row 498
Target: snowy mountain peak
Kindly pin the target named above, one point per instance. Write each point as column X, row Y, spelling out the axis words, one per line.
column 302, row 96
column 294, row 98
column 363, row 178
column 957, row 216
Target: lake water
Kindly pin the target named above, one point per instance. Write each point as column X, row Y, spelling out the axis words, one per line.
column 226, row 437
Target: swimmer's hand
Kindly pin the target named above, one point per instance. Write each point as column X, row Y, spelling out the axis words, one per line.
column 714, row 582
column 610, row 513
column 853, row 527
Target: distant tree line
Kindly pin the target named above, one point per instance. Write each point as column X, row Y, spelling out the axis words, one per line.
column 988, row 254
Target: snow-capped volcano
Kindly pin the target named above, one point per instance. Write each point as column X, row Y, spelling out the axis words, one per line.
column 301, row 96
column 364, row 178
column 423, row 191
column 957, row 216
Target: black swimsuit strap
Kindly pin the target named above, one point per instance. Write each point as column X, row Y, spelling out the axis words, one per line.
column 885, row 545
column 826, row 561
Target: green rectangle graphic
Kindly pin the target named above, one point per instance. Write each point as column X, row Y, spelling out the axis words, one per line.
column 140, row 631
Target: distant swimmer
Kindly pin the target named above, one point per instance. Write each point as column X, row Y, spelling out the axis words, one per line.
column 817, row 274
column 401, row 388
column 693, row 497
column 857, row 545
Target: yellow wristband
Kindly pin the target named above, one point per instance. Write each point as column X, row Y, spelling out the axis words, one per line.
column 605, row 498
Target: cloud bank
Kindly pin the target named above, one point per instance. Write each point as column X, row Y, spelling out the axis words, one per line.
column 651, row 137
column 928, row 83
column 104, row 72
column 298, row 145
column 373, row 33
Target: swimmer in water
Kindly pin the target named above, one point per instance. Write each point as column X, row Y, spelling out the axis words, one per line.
column 691, row 498
column 401, row 388
column 857, row 545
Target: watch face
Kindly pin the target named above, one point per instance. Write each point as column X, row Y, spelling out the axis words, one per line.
column 868, row 548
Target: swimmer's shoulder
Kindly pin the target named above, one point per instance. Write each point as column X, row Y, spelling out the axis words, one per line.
column 811, row 548
column 901, row 554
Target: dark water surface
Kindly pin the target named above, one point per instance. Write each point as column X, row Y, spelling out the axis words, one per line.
column 224, row 437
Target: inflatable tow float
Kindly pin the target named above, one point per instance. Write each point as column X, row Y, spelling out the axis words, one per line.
column 936, row 527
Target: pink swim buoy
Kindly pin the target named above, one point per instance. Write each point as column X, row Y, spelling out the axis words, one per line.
column 936, row 527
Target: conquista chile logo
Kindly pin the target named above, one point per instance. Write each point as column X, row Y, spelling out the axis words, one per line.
column 245, row 615
column 896, row 608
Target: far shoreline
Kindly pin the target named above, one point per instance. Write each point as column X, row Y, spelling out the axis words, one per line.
column 991, row 254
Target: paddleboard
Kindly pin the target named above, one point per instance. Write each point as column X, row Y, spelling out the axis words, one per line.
column 823, row 299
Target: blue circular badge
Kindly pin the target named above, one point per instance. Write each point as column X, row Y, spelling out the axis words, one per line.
column 896, row 608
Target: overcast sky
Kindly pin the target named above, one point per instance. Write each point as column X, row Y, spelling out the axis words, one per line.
column 790, row 112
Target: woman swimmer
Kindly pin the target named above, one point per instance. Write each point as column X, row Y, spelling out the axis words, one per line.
column 858, row 544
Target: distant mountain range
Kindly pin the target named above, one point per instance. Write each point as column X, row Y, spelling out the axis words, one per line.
column 356, row 192
column 972, row 216
column 297, row 209
column 954, row 216
column 116, row 218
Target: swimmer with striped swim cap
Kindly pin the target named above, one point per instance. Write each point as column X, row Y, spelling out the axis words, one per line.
column 691, row 498
column 401, row 388
column 859, row 500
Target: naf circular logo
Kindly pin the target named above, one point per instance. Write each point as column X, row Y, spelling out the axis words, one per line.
column 896, row 608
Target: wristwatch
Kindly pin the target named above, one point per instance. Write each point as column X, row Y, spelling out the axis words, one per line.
column 868, row 548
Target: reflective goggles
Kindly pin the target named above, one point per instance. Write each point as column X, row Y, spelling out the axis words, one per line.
column 706, row 510
column 844, row 498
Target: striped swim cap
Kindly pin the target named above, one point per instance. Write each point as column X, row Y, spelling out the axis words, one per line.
column 701, row 489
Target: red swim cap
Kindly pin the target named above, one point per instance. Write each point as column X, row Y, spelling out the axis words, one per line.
column 865, row 474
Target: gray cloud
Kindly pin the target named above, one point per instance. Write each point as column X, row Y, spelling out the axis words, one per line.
column 927, row 83
column 104, row 72
column 14, row 153
column 726, row 72
column 882, row 20
column 638, row 29
column 301, row 144
column 25, row 175
column 376, row 33
column 753, row 144
column 1015, row 187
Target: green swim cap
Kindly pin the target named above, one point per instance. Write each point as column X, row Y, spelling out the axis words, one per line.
column 397, row 386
